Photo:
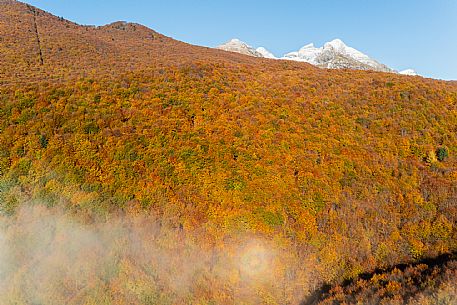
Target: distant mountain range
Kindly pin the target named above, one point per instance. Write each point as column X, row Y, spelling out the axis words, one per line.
column 333, row 55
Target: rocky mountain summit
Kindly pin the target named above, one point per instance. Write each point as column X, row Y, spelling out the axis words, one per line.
column 238, row 46
column 332, row 55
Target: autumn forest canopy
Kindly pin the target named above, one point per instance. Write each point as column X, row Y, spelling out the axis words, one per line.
column 137, row 169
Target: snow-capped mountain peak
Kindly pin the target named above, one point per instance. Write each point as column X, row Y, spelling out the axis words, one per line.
column 306, row 53
column 238, row 46
column 334, row 54
column 265, row 53
column 337, row 44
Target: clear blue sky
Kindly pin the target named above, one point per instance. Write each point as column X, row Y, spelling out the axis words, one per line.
column 419, row 34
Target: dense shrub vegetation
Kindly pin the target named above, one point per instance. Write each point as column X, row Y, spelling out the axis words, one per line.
column 428, row 282
column 345, row 171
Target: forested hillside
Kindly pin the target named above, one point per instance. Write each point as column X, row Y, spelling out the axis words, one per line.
column 430, row 281
column 333, row 172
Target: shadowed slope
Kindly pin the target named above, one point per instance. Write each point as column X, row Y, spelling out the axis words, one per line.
column 429, row 281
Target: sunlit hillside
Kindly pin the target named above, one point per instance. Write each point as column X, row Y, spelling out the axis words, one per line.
column 137, row 169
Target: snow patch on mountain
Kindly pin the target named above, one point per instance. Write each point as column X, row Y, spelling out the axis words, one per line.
column 410, row 72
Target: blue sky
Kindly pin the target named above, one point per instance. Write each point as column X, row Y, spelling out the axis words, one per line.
column 419, row 34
